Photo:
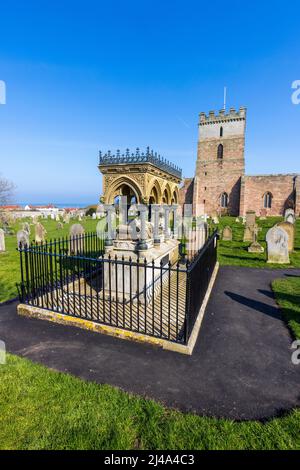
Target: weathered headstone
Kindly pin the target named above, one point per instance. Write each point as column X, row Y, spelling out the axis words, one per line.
column 23, row 238
column 59, row 226
column 250, row 219
column 2, row 241
column 277, row 246
column 76, row 239
column 289, row 216
column 40, row 233
column 290, row 230
column 215, row 220
column 26, row 227
column 57, row 218
column 227, row 234
column 248, row 234
column 94, row 216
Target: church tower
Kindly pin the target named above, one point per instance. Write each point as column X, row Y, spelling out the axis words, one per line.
column 220, row 162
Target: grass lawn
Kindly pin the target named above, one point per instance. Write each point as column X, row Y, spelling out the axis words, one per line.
column 44, row 409
column 10, row 262
column 235, row 253
column 287, row 294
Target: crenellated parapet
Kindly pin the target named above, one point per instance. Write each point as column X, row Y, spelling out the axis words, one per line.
column 213, row 118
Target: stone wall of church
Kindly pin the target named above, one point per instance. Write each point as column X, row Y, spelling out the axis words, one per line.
column 186, row 191
column 281, row 187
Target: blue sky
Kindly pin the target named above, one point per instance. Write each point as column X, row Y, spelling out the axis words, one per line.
column 85, row 76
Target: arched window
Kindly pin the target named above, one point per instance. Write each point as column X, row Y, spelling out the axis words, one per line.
column 221, row 131
column 268, row 200
column 220, row 151
column 224, row 200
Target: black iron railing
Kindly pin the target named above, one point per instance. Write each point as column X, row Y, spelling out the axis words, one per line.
column 73, row 276
column 140, row 157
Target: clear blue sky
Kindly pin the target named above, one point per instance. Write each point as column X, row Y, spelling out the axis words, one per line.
column 84, row 76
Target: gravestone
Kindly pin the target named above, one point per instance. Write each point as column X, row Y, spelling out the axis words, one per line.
column 237, row 220
column 59, row 226
column 23, row 239
column 255, row 247
column 250, row 219
column 66, row 218
column 94, row 216
column 40, row 233
column 26, row 227
column 57, row 218
column 2, row 241
column 290, row 230
column 52, row 216
column 277, row 246
column 227, row 234
column 215, row 220
column 76, row 239
column 289, row 216
column 248, row 234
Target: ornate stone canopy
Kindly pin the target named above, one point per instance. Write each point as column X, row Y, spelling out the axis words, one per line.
column 142, row 177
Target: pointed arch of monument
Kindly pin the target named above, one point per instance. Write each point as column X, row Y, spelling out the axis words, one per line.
column 120, row 187
column 155, row 193
column 166, row 194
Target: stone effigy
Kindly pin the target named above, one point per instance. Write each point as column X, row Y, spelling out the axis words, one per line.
column 277, row 246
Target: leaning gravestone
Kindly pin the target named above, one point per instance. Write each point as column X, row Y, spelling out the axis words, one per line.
column 277, row 246
column 227, row 234
column 76, row 238
column 23, row 238
column 2, row 241
column 40, row 233
column 290, row 230
column 289, row 216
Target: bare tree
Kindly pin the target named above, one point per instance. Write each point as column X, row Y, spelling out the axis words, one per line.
column 6, row 190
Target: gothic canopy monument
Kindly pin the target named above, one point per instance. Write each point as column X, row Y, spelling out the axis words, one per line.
column 145, row 178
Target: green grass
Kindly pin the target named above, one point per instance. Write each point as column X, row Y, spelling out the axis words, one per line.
column 287, row 294
column 44, row 409
column 10, row 261
column 236, row 253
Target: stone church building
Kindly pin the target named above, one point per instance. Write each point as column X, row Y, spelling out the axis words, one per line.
column 220, row 184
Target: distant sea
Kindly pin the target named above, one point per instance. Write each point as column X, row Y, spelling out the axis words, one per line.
column 60, row 205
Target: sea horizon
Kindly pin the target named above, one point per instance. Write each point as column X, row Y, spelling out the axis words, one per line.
column 59, row 205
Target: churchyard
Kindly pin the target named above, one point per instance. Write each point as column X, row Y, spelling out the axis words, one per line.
column 84, row 415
